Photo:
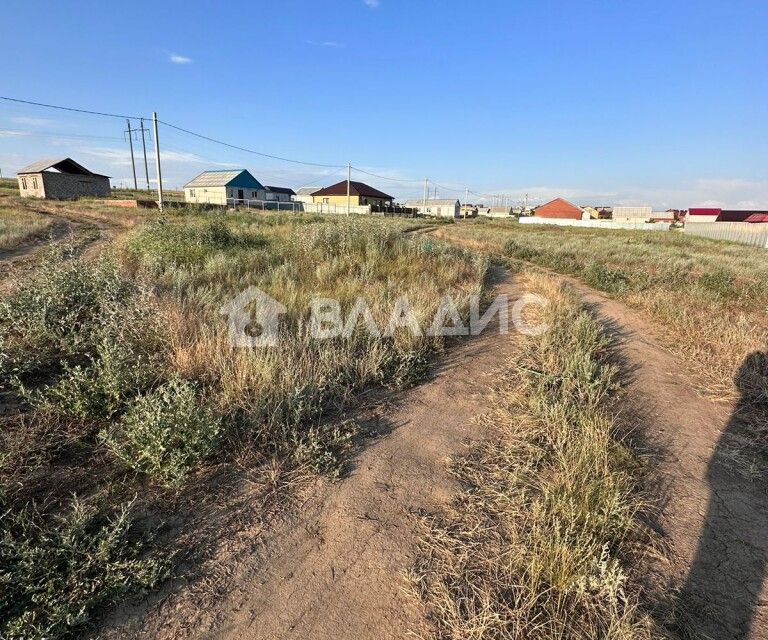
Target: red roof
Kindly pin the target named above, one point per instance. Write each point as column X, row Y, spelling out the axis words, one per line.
column 355, row 189
column 558, row 208
column 757, row 217
column 704, row 212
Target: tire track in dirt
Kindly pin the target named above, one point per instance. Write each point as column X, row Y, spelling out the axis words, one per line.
column 714, row 518
column 336, row 567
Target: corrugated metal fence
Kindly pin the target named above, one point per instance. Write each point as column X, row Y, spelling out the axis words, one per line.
column 743, row 232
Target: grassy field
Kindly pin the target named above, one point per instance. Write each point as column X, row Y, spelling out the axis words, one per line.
column 118, row 378
column 18, row 226
column 546, row 538
column 708, row 298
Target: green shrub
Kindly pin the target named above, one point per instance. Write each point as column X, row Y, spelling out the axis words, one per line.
column 605, row 278
column 103, row 389
column 54, row 576
column 164, row 433
column 62, row 315
column 514, row 249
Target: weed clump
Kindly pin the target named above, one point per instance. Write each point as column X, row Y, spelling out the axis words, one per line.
column 56, row 574
column 164, row 433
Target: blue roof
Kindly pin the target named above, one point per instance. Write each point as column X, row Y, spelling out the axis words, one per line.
column 240, row 178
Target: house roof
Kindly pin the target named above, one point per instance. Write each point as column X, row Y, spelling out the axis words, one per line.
column 285, row 190
column 435, row 202
column 307, row 191
column 63, row 165
column 559, row 201
column 225, row 178
column 757, row 217
column 704, row 211
column 355, row 189
column 739, row 215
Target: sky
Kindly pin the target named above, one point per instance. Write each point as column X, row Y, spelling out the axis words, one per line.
column 601, row 102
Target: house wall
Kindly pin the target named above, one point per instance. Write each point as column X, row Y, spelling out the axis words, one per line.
column 634, row 214
column 206, row 195
column 558, row 210
column 353, row 199
column 278, row 197
column 63, row 186
column 248, row 193
column 31, row 186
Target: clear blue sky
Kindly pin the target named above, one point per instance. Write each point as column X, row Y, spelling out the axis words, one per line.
column 664, row 103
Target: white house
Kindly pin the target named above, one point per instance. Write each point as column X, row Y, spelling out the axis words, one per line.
column 223, row 187
column 632, row 214
column 305, row 194
column 436, row 208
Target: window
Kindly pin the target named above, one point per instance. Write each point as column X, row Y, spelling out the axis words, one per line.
column 34, row 183
column 191, row 193
column 23, row 183
column 326, row 200
column 254, row 194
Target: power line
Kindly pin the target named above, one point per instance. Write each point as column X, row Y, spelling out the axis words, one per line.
column 54, row 106
column 375, row 175
column 246, row 150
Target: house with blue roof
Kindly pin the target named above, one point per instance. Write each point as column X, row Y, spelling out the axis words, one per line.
column 227, row 186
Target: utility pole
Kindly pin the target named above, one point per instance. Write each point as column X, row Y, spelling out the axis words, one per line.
column 466, row 201
column 349, row 179
column 133, row 163
column 144, row 146
column 157, row 163
column 426, row 193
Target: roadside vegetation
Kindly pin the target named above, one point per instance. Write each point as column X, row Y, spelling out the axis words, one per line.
column 707, row 298
column 546, row 538
column 18, row 226
column 118, row 378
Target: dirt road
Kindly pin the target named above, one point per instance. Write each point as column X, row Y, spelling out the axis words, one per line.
column 715, row 517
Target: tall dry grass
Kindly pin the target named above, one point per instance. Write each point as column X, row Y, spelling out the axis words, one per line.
column 708, row 298
column 18, row 226
column 545, row 539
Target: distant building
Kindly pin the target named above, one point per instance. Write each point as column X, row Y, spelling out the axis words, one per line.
column 305, row 194
column 702, row 214
column 742, row 215
column 559, row 208
column 435, row 207
column 499, row 212
column 62, row 179
column 279, row 194
column 632, row 214
column 223, row 187
column 359, row 194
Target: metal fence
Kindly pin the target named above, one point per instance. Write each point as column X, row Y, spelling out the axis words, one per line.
column 755, row 234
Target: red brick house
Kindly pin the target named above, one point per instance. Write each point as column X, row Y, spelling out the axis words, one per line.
column 558, row 208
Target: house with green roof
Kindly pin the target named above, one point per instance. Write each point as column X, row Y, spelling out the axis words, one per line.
column 224, row 187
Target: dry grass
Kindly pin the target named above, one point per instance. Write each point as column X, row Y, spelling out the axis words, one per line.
column 118, row 378
column 708, row 298
column 18, row 226
column 545, row 540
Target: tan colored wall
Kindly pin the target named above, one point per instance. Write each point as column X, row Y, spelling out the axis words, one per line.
column 206, row 195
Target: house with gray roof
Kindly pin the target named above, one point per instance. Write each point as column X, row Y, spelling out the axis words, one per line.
column 223, row 187
column 437, row 208
column 61, row 179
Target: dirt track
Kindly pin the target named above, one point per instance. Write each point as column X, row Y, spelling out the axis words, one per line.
column 335, row 567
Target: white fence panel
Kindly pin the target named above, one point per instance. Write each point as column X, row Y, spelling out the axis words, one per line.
column 755, row 234
column 598, row 224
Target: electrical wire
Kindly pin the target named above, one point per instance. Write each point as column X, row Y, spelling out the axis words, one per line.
column 246, row 150
column 53, row 106
column 337, row 167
